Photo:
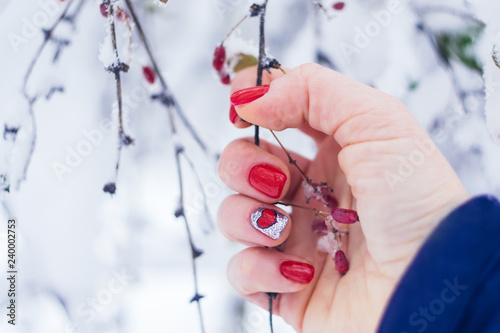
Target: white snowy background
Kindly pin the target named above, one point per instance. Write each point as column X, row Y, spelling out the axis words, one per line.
column 91, row 262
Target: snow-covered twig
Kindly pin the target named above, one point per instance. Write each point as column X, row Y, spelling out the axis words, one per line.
column 48, row 36
column 198, row 181
column 195, row 252
column 116, row 68
column 165, row 97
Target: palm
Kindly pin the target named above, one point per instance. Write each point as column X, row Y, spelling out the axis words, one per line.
column 378, row 249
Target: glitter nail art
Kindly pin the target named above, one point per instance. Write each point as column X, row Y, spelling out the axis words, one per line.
column 269, row 222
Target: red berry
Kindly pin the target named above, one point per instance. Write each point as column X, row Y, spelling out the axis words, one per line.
column 224, row 77
column 341, row 262
column 219, row 57
column 104, row 10
column 339, row 5
column 319, row 227
column 149, row 74
column 345, row 216
column 330, row 200
column 122, row 15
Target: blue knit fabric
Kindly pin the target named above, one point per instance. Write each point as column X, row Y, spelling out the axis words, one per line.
column 453, row 285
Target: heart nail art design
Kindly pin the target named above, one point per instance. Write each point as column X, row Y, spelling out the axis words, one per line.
column 268, row 221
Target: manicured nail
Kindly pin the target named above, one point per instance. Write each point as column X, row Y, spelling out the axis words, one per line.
column 268, row 221
column 297, row 271
column 248, row 95
column 267, row 179
column 233, row 116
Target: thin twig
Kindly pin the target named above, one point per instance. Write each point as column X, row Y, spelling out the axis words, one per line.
column 297, row 206
column 420, row 13
column 272, row 296
column 34, row 134
column 260, row 69
column 323, row 9
column 235, row 27
column 116, row 68
column 194, row 251
column 48, row 35
column 290, row 159
column 321, row 57
column 165, row 90
column 200, row 185
column 459, row 91
column 262, row 54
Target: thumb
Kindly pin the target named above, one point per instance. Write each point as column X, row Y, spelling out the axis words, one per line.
column 331, row 103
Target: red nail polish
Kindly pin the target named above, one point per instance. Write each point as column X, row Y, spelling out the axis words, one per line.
column 297, row 271
column 233, row 116
column 267, row 179
column 248, row 95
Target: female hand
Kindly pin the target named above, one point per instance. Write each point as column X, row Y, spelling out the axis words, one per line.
column 378, row 160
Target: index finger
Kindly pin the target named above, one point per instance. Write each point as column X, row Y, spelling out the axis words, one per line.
column 331, row 103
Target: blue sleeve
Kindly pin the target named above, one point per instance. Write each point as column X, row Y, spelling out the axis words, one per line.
column 453, row 284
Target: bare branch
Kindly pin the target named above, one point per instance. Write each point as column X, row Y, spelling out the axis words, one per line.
column 117, row 67
column 48, row 36
column 195, row 252
column 165, row 95
column 198, row 180
column 262, row 54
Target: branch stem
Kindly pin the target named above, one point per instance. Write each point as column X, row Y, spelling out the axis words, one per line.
column 262, row 54
column 165, row 90
column 48, row 35
column 290, row 159
column 197, row 297
column 116, row 68
column 234, row 28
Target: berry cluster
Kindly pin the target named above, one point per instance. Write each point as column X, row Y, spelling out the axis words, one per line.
column 326, row 224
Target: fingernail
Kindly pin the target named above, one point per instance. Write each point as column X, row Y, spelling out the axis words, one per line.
column 248, row 95
column 268, row 221
column 267, row 179
column 297, row 271
column 233, row 116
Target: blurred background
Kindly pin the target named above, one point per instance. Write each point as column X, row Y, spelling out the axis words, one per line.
column 91, row 261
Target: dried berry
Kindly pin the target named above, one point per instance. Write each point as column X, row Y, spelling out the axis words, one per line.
column 149, row 74
column 122, row 15
column 338, row 5
column 104, row 10
column 341, row 262
column 345, row 216
column 219, row 57
column 319, row 226
column 224, row 77
column 109, row 188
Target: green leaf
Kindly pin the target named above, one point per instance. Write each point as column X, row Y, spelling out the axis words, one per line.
column 460, row 46
column 244, row 61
